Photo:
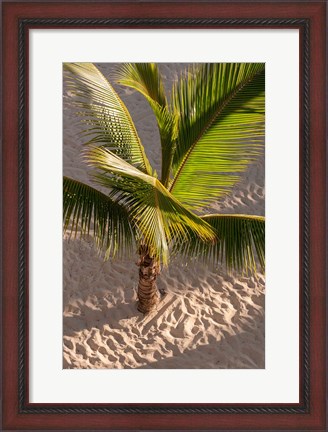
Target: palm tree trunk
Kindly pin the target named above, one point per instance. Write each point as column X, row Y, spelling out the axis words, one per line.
column 148, row 294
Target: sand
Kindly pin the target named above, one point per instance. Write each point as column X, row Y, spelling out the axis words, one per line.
column 207, row 318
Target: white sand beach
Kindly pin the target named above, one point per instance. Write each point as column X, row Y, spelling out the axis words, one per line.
column 207, row 319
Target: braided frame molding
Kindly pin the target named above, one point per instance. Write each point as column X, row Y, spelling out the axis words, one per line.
column 24, row 408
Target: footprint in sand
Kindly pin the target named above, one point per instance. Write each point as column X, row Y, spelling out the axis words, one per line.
column 80, row 350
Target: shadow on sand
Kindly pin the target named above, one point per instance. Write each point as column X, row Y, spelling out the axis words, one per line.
column 244, row 350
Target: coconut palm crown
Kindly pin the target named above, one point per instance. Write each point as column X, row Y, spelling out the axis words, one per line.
column 210, row 130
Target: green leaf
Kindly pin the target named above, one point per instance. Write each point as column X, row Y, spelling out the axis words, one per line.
column 241, row 244
column 107, row 120
column 158, row 216
column 167, row 124
column 220, row 130
column 146, row 79
column 88, row 211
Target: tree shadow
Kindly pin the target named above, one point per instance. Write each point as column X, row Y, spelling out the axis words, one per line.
column 243, row 350
column 98, row 318
column 231, row 352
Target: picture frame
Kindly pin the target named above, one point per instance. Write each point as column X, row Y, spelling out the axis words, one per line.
column 17, row 19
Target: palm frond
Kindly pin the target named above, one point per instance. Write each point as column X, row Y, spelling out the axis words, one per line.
column 220, row 130
column 240, row 245
column 107, row 120
column 146, row 79
column 88, row 211
column 158, row 216
column 167, row 124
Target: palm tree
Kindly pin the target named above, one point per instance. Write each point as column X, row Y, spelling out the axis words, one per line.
column 210, row 130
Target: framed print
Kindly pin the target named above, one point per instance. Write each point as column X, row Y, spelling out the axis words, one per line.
column 203, row 132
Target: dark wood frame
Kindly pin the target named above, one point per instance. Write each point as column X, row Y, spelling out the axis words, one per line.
column 17, row 18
